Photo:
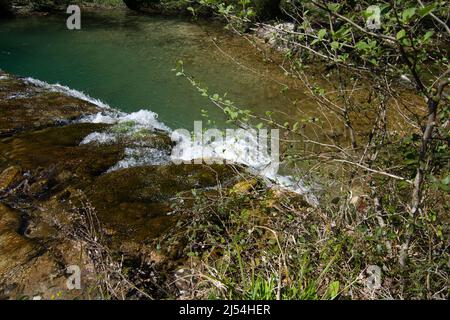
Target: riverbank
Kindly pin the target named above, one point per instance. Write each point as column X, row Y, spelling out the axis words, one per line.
column 164, row 231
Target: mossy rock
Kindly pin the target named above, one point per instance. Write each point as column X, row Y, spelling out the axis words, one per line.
column 135, row 202
column 25, row 106
column 48, row 153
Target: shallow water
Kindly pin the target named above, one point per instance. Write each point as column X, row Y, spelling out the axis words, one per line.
column 126, row 60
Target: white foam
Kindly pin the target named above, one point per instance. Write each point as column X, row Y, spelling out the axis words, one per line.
column 145, row 119
column 137, row 157
column 232, row 149
column 16, row 96
column 244, row 151
column 101, row 117
column 66, row 90
column 142, row 119
column 126, row 126
column 99, row 138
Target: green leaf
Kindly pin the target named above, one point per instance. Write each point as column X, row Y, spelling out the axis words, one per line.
column 322, row 33
column 426, row 10
column 335, row 45
column 401, row 34
column 334, row 7
column 333, row 289
column 428, row 35
column 341, row 33
column 408, row 14
column 362, row 45
column 407, row 43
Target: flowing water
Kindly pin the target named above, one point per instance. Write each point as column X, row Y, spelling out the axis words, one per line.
column 126, row 60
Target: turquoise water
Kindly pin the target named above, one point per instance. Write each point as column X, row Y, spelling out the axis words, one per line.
column 126, row 60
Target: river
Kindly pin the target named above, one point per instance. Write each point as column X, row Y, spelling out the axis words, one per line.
column 126, row 60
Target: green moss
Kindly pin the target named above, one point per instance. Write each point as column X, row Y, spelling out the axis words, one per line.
column 123, row 127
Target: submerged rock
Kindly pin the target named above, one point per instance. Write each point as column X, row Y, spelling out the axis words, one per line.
column 52, row 153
